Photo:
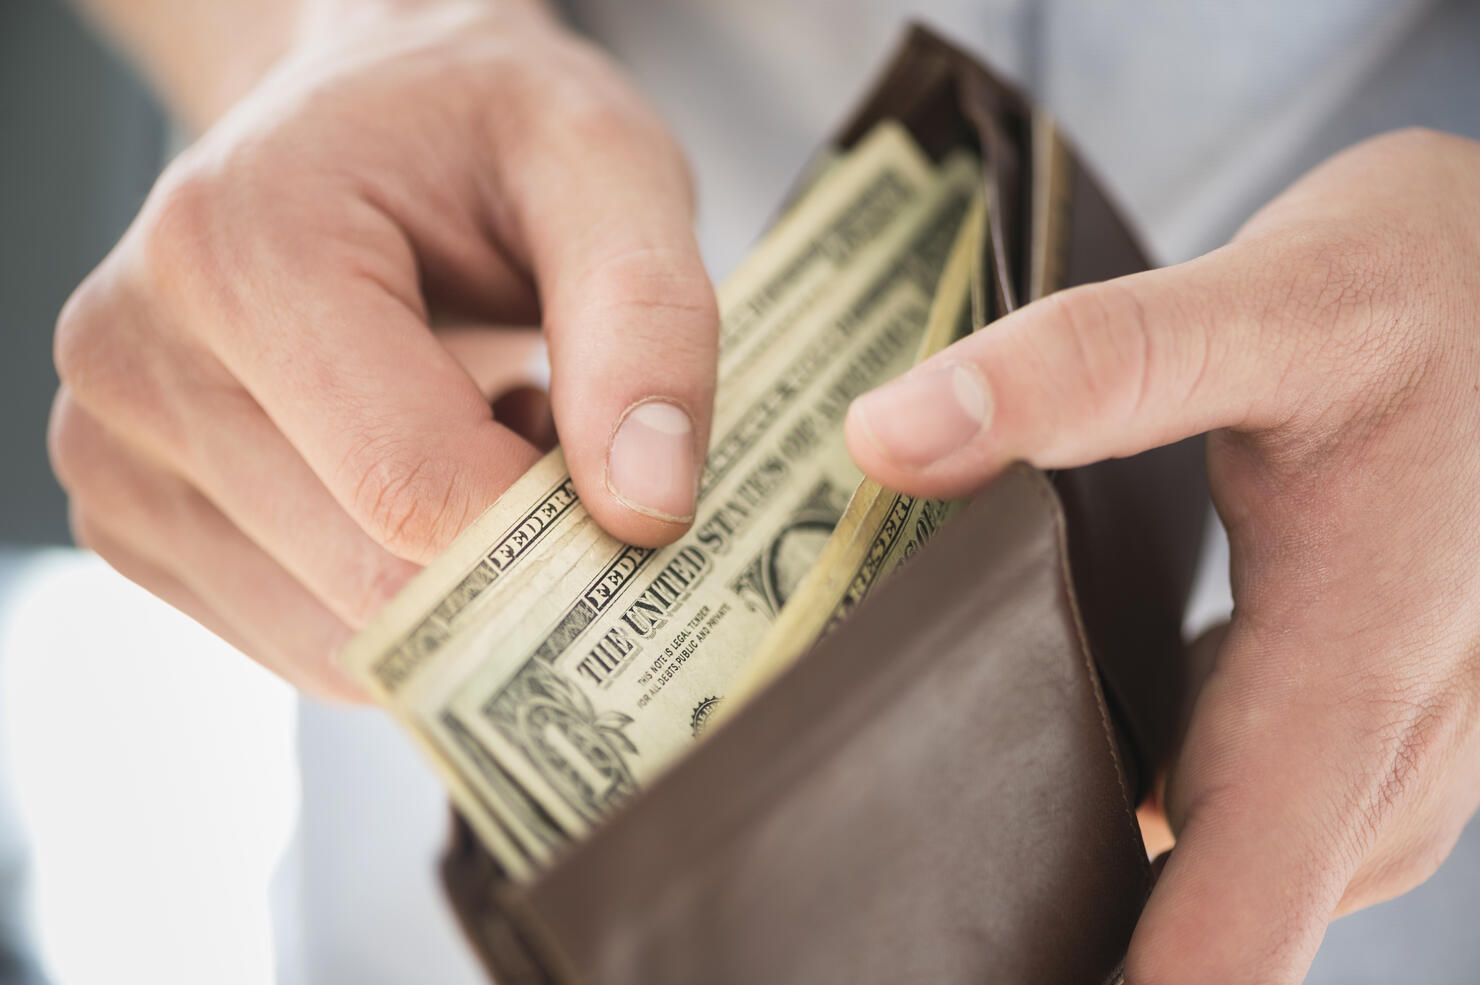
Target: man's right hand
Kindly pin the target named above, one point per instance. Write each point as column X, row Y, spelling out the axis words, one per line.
column 257, row 421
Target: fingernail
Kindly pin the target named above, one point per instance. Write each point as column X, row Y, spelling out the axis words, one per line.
column 922, row 417
column 651, row 466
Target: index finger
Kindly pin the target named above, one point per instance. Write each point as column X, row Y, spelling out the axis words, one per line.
column 325, row 329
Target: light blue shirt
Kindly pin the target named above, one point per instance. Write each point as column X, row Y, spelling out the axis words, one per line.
column 1189, row 108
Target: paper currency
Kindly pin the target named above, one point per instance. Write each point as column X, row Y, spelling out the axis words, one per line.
column 550, row 671
column 880, row 528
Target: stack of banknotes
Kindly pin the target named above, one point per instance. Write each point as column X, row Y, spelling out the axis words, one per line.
column 549, row 671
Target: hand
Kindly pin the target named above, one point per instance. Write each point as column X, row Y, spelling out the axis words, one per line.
column 1333, row 349
column 257, row 421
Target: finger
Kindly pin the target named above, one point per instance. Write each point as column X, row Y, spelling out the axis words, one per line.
column 202, row 427
column 319, row 316
column 182, row 407
column 1099, row 371
column 151, row 523
column 1286, row 783
column 629, row 313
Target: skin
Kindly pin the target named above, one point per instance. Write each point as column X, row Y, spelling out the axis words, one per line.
column 1333, row 350
column 267, row 419
column 261, row 418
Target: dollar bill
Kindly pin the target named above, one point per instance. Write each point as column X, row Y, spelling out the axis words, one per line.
column 767, row 294
column 880, row 529
column 549, row 671
column 586, row 691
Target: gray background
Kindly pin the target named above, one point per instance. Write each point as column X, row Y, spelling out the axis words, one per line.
column 80, row 142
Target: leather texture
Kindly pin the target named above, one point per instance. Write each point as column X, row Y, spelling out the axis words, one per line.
column 942, row 790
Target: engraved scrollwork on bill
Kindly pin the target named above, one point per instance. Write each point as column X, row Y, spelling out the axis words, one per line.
column 580, row 753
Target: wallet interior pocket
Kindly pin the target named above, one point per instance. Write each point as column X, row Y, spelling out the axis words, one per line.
column 933, row 794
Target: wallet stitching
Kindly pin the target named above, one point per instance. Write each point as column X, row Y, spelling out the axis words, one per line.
column 1046, row 493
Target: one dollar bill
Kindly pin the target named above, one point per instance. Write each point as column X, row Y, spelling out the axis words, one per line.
column 549, row 671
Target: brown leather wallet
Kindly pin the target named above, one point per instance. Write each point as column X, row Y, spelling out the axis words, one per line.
column 943, row 789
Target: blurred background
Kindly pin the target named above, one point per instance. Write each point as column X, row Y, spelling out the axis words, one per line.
column 80, row 146
column 149, row 782
column 151, row 827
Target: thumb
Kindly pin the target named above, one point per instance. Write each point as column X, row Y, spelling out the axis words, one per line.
column 630, row 315
column 1099, row 371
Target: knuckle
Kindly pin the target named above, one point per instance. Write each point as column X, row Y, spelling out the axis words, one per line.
column 406, row 500
column 665, row 291
column 122, row 373
column 593, row 120
column 595, row 107
column 81, row 341
column 627, row 131
column 176, row 230
column 600, row 109
column 1103, row 340
column 66, row 444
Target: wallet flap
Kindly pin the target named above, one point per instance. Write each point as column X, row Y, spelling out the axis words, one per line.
column 931, row 795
